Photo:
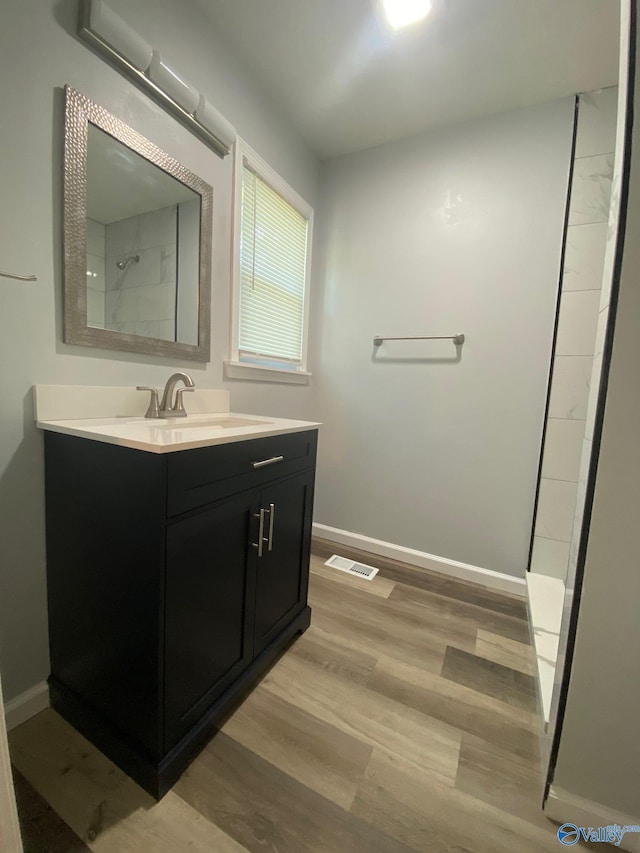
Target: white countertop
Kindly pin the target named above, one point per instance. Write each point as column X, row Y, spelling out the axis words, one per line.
column 166, row 435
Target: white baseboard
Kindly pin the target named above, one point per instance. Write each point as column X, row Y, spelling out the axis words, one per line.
column 422, row 560
column 26, row 705
column 564, row 807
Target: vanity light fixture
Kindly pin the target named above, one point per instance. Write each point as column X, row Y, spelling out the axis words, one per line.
column 401, row 13
column 109, row 26
column 173, row 84
column 115, row 40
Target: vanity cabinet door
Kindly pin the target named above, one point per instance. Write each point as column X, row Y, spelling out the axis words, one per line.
column 283, row 569
column 209, row 592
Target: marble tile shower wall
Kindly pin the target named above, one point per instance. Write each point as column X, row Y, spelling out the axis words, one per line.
column 580, row 335
column 141, row 299
column 95, row 273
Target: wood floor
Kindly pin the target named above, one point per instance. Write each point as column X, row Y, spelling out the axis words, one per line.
column 403, row 720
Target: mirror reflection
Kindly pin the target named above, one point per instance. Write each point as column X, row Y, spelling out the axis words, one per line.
column 137, row 241
column 142, row 245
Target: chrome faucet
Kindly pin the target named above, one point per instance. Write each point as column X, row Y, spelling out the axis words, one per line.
column 171, row 406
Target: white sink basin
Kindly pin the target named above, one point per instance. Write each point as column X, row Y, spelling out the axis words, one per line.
column 222, row 423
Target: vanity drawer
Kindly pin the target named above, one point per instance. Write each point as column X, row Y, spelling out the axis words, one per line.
column 197, row 477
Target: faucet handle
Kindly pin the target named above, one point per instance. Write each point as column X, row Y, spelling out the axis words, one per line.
column 179, row 407
column 153, row 410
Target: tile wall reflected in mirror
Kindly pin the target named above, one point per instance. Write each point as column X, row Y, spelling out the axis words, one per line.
column 142, row 252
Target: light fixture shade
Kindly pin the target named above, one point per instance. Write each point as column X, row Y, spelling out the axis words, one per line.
column 119, row 35
column 401, row 13
column 113, row 38
column 172, row 84
column 215, row 122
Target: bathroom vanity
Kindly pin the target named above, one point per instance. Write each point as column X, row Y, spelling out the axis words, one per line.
column 176, row 575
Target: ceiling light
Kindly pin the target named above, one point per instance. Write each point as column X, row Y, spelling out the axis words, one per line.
column 401, row 13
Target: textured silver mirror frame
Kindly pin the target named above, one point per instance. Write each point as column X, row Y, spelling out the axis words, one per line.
column 79, row 112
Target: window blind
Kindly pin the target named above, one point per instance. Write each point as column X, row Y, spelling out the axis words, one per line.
column 273, row 258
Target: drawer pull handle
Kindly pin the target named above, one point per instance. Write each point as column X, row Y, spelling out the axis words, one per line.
column 271, row 461
column 272, row 517
column 261, row 540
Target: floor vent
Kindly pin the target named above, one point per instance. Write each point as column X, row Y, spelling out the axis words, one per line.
column 360, row 570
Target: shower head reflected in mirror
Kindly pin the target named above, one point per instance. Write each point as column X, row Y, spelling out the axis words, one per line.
column 126, row 261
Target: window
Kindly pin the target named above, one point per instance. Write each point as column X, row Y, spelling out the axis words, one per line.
column 272, row 250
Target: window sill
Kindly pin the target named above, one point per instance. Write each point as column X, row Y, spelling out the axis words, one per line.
column 255, row 372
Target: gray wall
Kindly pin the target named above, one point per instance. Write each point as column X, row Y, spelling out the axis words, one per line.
column 39, row 53
column 599, row 755
column 455, row 232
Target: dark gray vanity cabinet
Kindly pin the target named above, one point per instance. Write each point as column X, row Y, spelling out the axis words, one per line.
column 281, row 588
column 164, row 607
column 224, row 603
column 208, row 589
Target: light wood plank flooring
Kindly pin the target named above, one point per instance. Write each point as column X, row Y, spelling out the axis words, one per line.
column 403, row 720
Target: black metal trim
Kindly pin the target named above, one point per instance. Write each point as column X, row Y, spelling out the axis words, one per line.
column 601, row 404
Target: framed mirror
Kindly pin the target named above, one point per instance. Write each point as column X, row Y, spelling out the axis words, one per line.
column 137, row 241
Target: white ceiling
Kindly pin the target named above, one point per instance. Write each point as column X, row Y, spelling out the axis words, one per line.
column 347, row 82
column 121, row 183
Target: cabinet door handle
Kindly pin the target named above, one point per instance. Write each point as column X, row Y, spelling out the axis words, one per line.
column 261, row 539
column 271, row 461
column 272, row 516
